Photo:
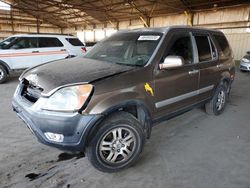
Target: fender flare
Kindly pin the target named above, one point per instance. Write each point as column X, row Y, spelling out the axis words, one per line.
column 225, row 77
column 142, row 111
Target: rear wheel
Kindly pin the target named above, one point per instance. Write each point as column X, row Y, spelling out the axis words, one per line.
column 117, row 144
column 3, row 74
column 217, row 105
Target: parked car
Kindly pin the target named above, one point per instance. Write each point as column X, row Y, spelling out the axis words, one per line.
column 245, row 62
column 23, row 51
column 106, row 103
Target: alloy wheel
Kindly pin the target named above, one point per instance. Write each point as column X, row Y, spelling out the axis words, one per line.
column 117, row 145
column 221, row 99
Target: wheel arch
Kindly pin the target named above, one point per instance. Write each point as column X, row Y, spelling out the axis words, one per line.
column 226, row 79
column 6, row 66
column 135, row 107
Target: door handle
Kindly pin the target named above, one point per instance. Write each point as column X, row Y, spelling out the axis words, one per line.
column 219, row 66
column 63, row 50
column 35, row 51
column 193, row 72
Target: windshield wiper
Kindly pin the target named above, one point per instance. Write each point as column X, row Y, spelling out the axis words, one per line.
column 130, row 65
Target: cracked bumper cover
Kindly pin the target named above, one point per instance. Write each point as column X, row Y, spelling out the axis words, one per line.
column 73, row 126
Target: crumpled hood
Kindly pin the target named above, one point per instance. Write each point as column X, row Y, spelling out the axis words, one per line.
column 69, row 71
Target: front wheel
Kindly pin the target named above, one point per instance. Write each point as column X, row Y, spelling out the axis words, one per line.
column 217, row 105
column 117, row 144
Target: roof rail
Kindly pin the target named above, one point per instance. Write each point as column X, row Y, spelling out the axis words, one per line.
column 50, row 34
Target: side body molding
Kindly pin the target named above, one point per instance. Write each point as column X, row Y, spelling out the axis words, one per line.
column 182, row 97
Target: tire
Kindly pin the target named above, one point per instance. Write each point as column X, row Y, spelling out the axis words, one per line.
column 3, row 74
column 217, row 104
column 108, row 154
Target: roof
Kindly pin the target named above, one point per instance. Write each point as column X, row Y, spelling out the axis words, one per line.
column 166, row 29
column 149, row 29
column 69, row 13
column 43, row 35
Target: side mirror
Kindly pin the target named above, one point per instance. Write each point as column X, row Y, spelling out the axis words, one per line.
column 171, row 62
column 248, row 52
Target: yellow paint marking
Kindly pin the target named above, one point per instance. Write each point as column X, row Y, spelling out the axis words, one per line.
column 149, row 89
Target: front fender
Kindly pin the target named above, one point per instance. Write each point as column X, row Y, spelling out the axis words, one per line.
column 113, row 101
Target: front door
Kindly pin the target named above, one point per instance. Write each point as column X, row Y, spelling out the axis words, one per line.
column 177, row 88
column 23, row 53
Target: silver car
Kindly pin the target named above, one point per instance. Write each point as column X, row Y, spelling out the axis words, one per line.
column 245, row 62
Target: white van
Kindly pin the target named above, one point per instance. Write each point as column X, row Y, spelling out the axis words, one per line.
column 19, row 52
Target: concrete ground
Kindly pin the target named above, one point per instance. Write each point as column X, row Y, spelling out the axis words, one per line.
column 194, row 150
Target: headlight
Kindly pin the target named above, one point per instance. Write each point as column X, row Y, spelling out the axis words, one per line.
column 245, row 60
column 67, row 99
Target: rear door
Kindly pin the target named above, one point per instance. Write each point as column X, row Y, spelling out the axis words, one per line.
column 51, row 48
column 225, row 59
column 177, row 88
column 207, row 63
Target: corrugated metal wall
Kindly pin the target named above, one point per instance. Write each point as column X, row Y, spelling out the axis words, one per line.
column 240, row 43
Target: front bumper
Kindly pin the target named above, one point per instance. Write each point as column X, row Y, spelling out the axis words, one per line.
column 73, row 126
column 244, row 66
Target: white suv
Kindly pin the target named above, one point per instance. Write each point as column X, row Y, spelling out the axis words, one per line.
column 19, row 52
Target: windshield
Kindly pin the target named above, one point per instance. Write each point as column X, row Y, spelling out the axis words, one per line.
column 132, row 49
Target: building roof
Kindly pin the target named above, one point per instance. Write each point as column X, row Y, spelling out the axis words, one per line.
column 70, row 13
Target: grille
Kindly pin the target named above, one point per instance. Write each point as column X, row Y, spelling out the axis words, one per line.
column 31, row 92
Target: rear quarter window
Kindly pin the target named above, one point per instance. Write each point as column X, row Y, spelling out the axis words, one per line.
column 90, row 43
column 223, row 44
column 74, row 41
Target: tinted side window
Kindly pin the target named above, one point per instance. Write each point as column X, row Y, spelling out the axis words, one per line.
column 223, row 44
column 75, row 41
column 6, row 42
column 24, row 42
column 203, row 46
column 90, row 43
column 182, row 46
column 46, row 42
